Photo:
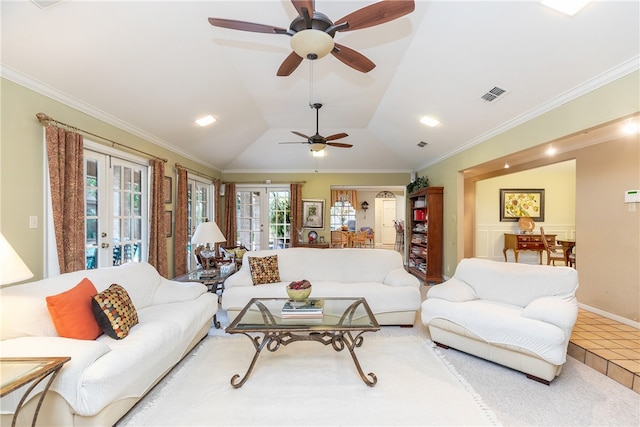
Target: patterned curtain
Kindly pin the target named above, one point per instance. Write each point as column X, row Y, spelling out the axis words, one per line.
column 66, row 177
column 230, row 221
column 181, row 232
column 296, row 209
column 157, row 229
column 344, row 196
column 217, row 211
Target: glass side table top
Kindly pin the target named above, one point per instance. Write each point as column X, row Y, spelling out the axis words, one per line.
column 262, row 314
column 200, row 275
column 16, row 372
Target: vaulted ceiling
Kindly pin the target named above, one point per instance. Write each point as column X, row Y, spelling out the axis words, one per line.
column 153, row 67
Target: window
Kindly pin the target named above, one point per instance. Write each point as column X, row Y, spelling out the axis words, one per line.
column 343, row 214
column 200, row 209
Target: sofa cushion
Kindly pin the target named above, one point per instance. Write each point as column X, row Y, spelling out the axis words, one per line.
column 72, row 314
column 264, row 269
column 114, row 311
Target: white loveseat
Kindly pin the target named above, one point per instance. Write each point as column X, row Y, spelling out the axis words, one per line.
column 517, row 315
column 105, row 377
column 378, row 275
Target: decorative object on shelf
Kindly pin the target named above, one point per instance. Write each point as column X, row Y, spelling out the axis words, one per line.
column 207, row 232
column 12, row 268
column 312, row 236
column 517, row 203
column 417, row 184
column 364, row 205
column 313, row 213
column 299, row 290
column 526, row 224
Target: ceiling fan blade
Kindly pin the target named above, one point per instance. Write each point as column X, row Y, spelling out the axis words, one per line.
column 246, row 26
column 289, row 65
column 301, row 134
column 376, row 14
column 298, row 142
column 308, row 4
column 336, row 136
column 352, row 58
column 339, row 144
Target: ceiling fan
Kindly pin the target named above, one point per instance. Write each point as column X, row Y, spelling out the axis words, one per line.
column 318, row 142
column 312, row 32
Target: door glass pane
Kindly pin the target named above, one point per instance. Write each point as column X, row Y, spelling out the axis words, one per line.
column 279, row 219
column 91, row 213
column 248, row 219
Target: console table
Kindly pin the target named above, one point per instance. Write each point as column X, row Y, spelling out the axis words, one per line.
column 526, row 242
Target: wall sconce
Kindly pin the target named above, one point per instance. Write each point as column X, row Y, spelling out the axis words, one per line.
column 364, row 205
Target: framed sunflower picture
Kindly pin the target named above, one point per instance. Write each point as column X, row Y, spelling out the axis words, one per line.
column 516, row 203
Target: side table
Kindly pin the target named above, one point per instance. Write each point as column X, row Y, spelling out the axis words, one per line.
column 16, row 372
column 213, row 279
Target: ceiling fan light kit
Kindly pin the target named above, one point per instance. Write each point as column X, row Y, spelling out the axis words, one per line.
column 312, row 44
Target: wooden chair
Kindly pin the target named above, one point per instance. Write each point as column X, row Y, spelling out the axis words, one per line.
column 339, row 239
column 359, row 239
column 370, row 240
column 554, row 252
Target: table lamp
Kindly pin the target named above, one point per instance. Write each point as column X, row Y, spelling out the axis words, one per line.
column 206, row 233
column 12, row 268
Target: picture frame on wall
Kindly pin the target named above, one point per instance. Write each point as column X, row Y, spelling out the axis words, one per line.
column 167, row 189
column 521, row 202
column 168, row 223
column 313, row 213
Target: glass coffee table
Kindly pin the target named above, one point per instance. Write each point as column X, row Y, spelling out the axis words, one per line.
column 340, row 324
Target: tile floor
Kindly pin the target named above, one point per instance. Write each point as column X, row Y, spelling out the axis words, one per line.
column 608, row 346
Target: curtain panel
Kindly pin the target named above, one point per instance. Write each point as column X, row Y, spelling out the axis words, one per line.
column 157, row 229
column 181, row 232
column 230, row 220
column 344, row 196
column 66, row 179
column 296, row 210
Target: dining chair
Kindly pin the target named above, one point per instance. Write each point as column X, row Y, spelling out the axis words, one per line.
column 359, row 239
column 554, row 252
column 339, row 239
column 370, row 240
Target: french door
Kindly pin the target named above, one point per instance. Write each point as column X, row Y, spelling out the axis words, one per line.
column 263, row 217
column 116, row 210
column 200, row 209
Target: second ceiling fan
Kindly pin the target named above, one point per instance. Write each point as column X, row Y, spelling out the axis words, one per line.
column 318, row 142
column 312, row 32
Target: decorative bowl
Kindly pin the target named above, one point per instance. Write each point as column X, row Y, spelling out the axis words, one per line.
column 299, row 291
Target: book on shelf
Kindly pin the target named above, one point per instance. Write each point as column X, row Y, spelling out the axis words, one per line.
column 310, row 308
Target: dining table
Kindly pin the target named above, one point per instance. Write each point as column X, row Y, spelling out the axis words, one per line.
column 567, row 247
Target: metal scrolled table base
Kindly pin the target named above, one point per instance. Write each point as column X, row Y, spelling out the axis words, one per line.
column 338, row 340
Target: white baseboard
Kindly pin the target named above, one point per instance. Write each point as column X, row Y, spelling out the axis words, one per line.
column 610, row 315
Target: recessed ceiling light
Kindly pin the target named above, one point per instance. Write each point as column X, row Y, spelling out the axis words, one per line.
column 506, row 165
column 551, row 151
column 568, row 7
column 631, row 127
column 429, row 121
column 206, row 120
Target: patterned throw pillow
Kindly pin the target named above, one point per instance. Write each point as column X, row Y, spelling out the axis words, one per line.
column 114, row 311
column 264, row 269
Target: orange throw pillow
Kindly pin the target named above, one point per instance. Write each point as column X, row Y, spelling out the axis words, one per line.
column 72, row 313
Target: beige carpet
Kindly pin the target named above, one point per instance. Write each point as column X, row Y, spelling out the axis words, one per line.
column 307, row 383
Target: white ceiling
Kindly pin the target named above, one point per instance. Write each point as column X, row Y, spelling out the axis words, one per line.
column 153, row 67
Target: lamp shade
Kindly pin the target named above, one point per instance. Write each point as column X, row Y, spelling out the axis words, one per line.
column 12, row 268
column 208, row 232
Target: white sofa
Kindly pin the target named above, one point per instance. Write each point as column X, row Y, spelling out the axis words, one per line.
column 517, row 315
column 378, row 275
column 105, row 377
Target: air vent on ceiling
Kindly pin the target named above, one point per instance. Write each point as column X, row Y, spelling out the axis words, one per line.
column 493, row 94
column 421, row 144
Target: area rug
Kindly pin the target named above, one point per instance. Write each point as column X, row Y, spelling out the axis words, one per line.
column 308, row 384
